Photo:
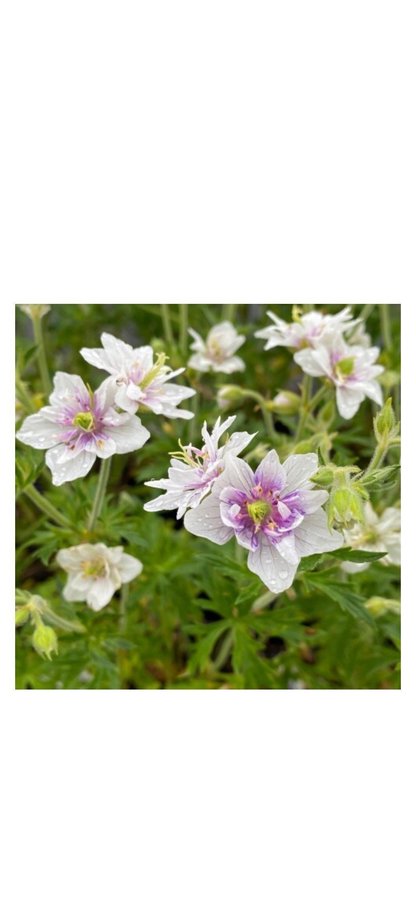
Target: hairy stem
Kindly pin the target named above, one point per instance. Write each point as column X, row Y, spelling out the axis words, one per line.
column 377, row 458
column 100, row 493
column 46, row 507
column 41, row 354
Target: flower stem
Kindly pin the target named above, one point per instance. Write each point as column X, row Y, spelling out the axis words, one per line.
column 100, row 493
column 229, row 312
column 385, row 325
column 263, row 601
column 123, row 606
column 167, row 327
column 304, row 410
column 183, row 327
column 377, row 458
column 43, row 365
column 46, row 507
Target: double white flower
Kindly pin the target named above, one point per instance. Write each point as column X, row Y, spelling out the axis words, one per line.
column 307, row 331
column 138, row 380
column 80, row 425
column 216, row 353
column 193, row 470
column 274, row 513
column 95, row 572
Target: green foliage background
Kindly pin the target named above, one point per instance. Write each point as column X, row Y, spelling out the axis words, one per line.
column 188, row 620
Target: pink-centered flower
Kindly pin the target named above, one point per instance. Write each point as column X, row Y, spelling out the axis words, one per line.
column 193, row 470
column 351, row 369
column 78, row 426
column 95, row 572
column 217, row 352
column 307, row 330
column 274, row 513
column 140, row 381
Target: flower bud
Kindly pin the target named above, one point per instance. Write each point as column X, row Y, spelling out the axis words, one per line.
column 378, row 606
column 345, row 502
column 324, row 476
column 230, row 395
column 21, row 615
column 286, row 402
column 44, row 640
column 385, row 422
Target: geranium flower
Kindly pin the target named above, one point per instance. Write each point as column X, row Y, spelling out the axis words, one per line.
column 351, row 369
column 193, row 471
column 273, row 512
column 140, row 381
column 307, row 330
column 96, row 572
column 379, row 534
column 78, row 426
column 216, row 353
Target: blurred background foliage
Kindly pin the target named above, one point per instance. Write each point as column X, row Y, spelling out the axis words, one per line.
column 188, row 620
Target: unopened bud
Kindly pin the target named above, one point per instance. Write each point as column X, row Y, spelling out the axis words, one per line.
column 385, row 422
column 230, row 395
column 286, row 402
column 44, row 640
column 21, row 615
column 345, row 502
column 324, row 476
column 378, row 606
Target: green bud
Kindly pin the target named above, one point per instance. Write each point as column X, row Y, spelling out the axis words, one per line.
column 286, row 402
column 345, row 502
column 21, row 615
column 385, row 422
column 44, row 640
column 378, row 606
column 230, row 395
column 324, row 476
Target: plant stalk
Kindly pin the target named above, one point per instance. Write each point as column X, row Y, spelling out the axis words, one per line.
column 183, row 327
column 100, row 493
column 41, row 354
column 224, row 650
column 167, row 327
column 46, row 507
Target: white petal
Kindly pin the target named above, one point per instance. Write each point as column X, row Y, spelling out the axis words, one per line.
column 68, row 471
column 287, row 549
column 205, row 521
column 69, row 559
column 39, row 432
column 71, row 593
column 270, row 469
column 235, row 364
column 275, row 572
column 372, row 389
column 124, row 400
column 237, row 474
column 314, row 535
column 298, row 468
column 313, row 362
column 119, row 353
column 65, row 387
column 198, row 343
column 98, row 358
column 199, row 362
column 312, row 500
column 348, row 401
column 129, row 436
column 129, row 567
column 100, row 593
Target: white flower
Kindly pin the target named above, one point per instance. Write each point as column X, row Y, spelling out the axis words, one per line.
column 139, row 380
column 307, row 331
column 78, row 426
column 378, row 534
column 193, row 471
column 216, row 353
column 95, row 572
column 273, row 512
column 351, row 369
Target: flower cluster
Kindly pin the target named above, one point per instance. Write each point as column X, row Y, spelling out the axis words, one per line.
column 334, row 347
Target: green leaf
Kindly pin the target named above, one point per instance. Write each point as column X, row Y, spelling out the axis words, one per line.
column 357, row 556
column 346, row 599
column 247, row 662
column 203, row 649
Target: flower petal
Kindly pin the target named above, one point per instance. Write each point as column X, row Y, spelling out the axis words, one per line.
column 129, row 567
column 39, row 432
column 348, row 401
column 205, row 521
column 237, row 474
column 70, row 470
column 267, row 563
column 129, row 436
column 298, row 468
column 270, row 473
column 100, row 593
column 314, row 535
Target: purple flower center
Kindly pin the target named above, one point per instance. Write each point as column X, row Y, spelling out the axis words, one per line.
column 262, row 510
column 82, row 421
